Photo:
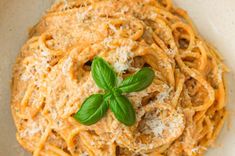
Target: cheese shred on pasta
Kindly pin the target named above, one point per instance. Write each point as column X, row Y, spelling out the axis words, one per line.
column 180, row 113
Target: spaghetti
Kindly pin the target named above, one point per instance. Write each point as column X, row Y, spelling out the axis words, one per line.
column 180, row 113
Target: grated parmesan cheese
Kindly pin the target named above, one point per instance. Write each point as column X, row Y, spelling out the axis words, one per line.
column 31, row 130
column 107, row 41
column 124, row 9
column 67, row 64
column 156, row 126
column 112, row 27
column 153, row 15
column 174, row 124
column 165, row 65
column 25, row 77
column 65, row 3
column 170, row 51
column 44, row 53
column 30, row 69
column 121, row 58
column 196, row 150
column 53, row 114
column 84, row 154
column 220, row 73
column 146, row 1
column 67, row 110
column 161, row 97
column 82, row 16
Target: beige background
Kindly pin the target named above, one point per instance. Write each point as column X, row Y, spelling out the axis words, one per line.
column 214, row 18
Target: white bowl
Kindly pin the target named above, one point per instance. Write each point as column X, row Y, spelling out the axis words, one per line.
column 215, row 20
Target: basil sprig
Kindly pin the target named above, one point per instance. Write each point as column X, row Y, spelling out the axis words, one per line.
column 103, row 74
column 96, row 106
column 141, row 80
column 92, row 110
column 122, row 109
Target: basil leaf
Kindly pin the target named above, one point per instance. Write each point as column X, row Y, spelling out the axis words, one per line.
column 103, row 74
column 122, row 109
column 92, row 110
column 137, row 82
column 107, row 96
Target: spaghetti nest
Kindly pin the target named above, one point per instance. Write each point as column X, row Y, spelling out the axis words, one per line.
column 180, row 113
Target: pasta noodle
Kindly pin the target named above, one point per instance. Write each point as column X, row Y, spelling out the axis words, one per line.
column 180, row 113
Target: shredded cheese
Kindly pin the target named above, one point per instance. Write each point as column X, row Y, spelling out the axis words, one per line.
column 121, row 58
column 67, row 64
column 33, row 129
column 84, row 154
column 81, row 16
column 162, row 96
column 220, row 73
column 196, row 150
column 173, row 124
column 156, row 126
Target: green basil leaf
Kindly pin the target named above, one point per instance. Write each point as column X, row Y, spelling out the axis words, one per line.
column 92, row 110
column 103, row 74
column 123, row 109
column 107, row 96
column 137, row 82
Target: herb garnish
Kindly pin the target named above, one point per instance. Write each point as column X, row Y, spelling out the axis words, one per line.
column 96, row 106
